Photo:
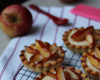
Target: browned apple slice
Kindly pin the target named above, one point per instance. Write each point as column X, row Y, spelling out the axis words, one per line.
column 47, row 44
column 74, row 75
column 97, row 49
column 35, row 58
column 42, row 60
column 42, row 48
column 67, row 75
column 96, row 36
column 81, row 34
column 30, row 50
column 92, row 53
column 90, row 39
column 32, row 46
column 51, row 75
column 60, row 74
column 94, row 61
column 48, row 58
column 52, row 47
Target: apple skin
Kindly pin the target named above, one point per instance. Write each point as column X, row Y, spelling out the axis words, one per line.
column 15, row 20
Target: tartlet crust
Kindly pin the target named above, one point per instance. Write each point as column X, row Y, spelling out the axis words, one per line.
column 76, row 48
column 95, row 75
column 42, row 75
column 44, row 66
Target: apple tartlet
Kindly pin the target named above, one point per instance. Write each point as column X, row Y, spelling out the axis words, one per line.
column 63, row 73
column 91, row 63
column 42, row 56
column 80, row 40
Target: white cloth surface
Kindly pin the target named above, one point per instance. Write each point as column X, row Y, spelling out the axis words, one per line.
column 44, row 29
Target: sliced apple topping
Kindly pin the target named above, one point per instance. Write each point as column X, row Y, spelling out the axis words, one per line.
column 41, row 52
column 53, row 47
column 63, row 73
column 51, row 75
column 30, row 50
column 36, row 58
column 81, row 34
column 47, row 44
column 28, row 55
column 60, row 74
column 74, row 75
column 47, row 78
column 42, row 48
column 97, row 49
column 48, row 58
column 92, row 53
column 43, row 60
column 32, row 46
column 67, row 75
column 96, row 36
column 90, row 39
column 94, row 61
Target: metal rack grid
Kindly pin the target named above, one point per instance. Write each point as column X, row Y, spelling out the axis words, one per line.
column 71, row 60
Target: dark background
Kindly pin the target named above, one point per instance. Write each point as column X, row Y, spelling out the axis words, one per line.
column 5, row 3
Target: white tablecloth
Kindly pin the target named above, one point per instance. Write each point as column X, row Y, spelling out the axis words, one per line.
column 44, row 29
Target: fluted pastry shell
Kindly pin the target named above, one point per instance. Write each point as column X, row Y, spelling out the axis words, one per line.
column 95, row 75
column 42, row 75
column 44, row 66
column 77, row 48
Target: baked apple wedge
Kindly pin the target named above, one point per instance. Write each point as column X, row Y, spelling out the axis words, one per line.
column 51, row 75
column 30, row 50
column 81, row 34
column 32, row 46
column 90, row 39
column 42, row 48
column 36, row 58
column 67, row 75
column 96, row 36
column 97, row 49
column 53, row 47
column 94, row 61
column 48, row 58
column 73, row 74
column 92, row 53
column 60, row 74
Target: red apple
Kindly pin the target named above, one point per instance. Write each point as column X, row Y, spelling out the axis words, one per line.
column 15, row 20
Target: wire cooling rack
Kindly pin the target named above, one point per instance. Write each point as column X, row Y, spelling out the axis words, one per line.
column 71, row 60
